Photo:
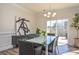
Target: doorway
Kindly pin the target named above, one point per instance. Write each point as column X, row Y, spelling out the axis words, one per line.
column 59, row 27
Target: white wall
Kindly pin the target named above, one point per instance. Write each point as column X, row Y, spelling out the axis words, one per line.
column 7, row 22
column 66, row 13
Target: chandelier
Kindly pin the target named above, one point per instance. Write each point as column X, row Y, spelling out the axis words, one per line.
column 49, row 14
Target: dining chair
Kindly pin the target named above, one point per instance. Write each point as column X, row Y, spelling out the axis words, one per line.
column 27, row 48
column 51, row 34
column 53, row 47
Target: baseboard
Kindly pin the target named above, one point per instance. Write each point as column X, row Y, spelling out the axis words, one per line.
column 5, row 47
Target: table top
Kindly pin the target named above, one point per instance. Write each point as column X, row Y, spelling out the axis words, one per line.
column 42, row 40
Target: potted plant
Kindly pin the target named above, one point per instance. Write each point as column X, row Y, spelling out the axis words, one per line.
column 75, row 24
column 37, row 31
column 43, row 32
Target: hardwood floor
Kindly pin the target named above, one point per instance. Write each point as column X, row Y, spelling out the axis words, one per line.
column 12, row 51
column 62, row 46
column 67, row 50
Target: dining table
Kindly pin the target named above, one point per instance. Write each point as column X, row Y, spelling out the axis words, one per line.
column 40, row 41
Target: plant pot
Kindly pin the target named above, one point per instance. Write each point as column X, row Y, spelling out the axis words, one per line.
column 76, row 42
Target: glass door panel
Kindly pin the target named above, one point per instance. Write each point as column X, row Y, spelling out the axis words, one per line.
column 58, row 27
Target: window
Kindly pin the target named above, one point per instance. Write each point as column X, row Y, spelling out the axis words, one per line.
column 57, row 27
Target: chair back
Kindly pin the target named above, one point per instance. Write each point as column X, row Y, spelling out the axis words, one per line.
column 51, row 34
column 26, row 48
column 55, row 43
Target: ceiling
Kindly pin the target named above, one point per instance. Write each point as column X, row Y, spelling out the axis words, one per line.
column 39, row 7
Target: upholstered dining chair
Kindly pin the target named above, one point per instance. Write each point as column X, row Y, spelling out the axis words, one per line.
column 51, row 34
column 27, row 48
column 53, row 48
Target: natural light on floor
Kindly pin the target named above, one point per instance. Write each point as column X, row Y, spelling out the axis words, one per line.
column 64, row 49
column 62, row 40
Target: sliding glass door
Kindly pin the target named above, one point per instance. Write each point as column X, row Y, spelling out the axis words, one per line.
column 58, row 27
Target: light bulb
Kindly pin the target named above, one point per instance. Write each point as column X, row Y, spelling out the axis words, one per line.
column 54, row 13
column 48, row 16
column 45, row 15
column 49, row 13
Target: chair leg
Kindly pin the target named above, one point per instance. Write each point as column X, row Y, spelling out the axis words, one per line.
column 54, row 51
column 57, row 50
